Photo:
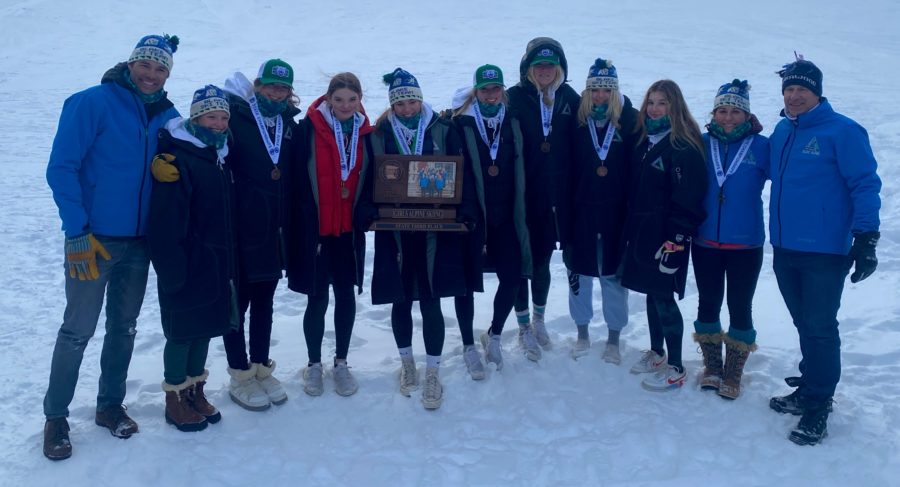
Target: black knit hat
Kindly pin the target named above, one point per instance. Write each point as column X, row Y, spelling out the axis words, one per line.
column 803, row 73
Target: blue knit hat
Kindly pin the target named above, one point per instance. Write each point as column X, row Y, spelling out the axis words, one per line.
column 804, row 73
column 155, row 48
column 402, row 86
column 734, row 94
column 210, row 98
column 602, row 75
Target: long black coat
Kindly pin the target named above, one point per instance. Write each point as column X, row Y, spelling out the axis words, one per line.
column 501, row 198
column 192, row 242
column 666, row 199
column 303, row 216
column 261, row 201
column 545, row 173
column 598, row 204
column 444, row 252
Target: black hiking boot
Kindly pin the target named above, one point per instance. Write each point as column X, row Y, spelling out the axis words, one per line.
column 791, row 403
column 56, row 439
column 117, row 421
column 813, row 425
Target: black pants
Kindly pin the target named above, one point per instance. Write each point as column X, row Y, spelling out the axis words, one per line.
column 258, row 297
column 336, row 258
column 741, row 269
column 432, row 325
column 666, row 326
column 540, row 282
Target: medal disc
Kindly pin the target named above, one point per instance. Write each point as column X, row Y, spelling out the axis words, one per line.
column 493, row 171
column 345, row 192
column 545, row 147
column 602, row 171
column 276, row 174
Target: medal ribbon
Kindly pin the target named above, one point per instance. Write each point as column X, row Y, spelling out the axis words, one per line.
column 493, row 145
column 546, row 114
column 273, row 148
column 721, row 175
column 348, row 157
column 400, row 131
column 603, row 151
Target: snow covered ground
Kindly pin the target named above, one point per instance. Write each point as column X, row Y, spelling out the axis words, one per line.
column 558, row 422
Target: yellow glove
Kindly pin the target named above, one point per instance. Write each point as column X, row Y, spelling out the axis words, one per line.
column 81, row 256
column 162, row 168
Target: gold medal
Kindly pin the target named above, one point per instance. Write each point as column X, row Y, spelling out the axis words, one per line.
column 276, row 174
column 545, row 147
column 493, row 170
column 345, row 192
column 602, row 171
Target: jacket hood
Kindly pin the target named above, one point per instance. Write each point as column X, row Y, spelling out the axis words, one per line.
column 531, row 50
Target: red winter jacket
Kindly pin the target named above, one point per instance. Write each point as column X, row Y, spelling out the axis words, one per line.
column 335, row 213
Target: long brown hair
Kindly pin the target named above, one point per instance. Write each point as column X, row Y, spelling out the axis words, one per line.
column 684, row 128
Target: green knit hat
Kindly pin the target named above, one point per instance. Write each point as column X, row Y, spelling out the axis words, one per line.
column 488, row 74
column 276, row 71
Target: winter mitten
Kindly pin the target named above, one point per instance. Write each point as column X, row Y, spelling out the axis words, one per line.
column 863, row 255
column 81, row 256
column 162, row 168
column 573, row 283
column 671, row 255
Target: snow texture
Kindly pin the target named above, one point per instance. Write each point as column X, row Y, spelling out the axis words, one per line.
column 557, row 422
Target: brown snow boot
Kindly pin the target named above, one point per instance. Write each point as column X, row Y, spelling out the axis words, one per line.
column 711, row 346
column 56, row 439
column 178, row 408
column 736, row 353
column 197, row 399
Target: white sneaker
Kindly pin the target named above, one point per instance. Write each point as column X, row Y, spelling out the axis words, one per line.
column 529, row 343
column 344, row 383
column 433, row 392
column 540, row 333
column 409, row 376
column 649, row 362
column 611, row 354
column 665, row 379
column 245, row 391
column 270, row 384
column 313, row 383
column 581, row 348
column 473, row 362
column 493, row 353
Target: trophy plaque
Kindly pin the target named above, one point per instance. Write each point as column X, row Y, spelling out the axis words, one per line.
column 418, row 193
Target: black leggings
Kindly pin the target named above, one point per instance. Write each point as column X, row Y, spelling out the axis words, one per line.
column 336, row 263
column 540, row 283
column 741, row 268
column 258, row 297
column 504, row 253
column 432, row 325
column 666, row 325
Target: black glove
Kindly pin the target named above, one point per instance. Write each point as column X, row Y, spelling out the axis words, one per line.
column 863, row 255
column 573, row 282
column 671, row 255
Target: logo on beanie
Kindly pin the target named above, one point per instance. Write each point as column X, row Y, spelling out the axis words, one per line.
column 397, row 82
column 151, row 42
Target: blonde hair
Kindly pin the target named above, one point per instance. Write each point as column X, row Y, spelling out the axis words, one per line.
column 587, row 106
column 470, row 99
column 551, row 88
column 684, row 128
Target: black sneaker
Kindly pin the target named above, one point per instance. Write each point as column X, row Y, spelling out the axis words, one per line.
column 56, row 439
column 117, row 421
column 813, row 425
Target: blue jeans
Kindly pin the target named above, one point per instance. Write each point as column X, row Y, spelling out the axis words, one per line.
column 811, row 285
column 614, row 298
column 124, row 279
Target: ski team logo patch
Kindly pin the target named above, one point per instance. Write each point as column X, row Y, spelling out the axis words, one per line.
column 617, row 137
column 811, row 147
column 490, row 74
column 280, row 71
column 658, row 164
column 566, row 110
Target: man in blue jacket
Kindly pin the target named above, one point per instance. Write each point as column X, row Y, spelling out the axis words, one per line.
column 99, row 172
column 823, row 219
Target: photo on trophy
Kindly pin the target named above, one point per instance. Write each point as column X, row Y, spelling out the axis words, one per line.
column 430, row 179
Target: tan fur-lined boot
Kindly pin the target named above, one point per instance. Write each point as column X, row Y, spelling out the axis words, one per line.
column 178, row 408
column 197, row 398
column 711, row 346
column 736, row 353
